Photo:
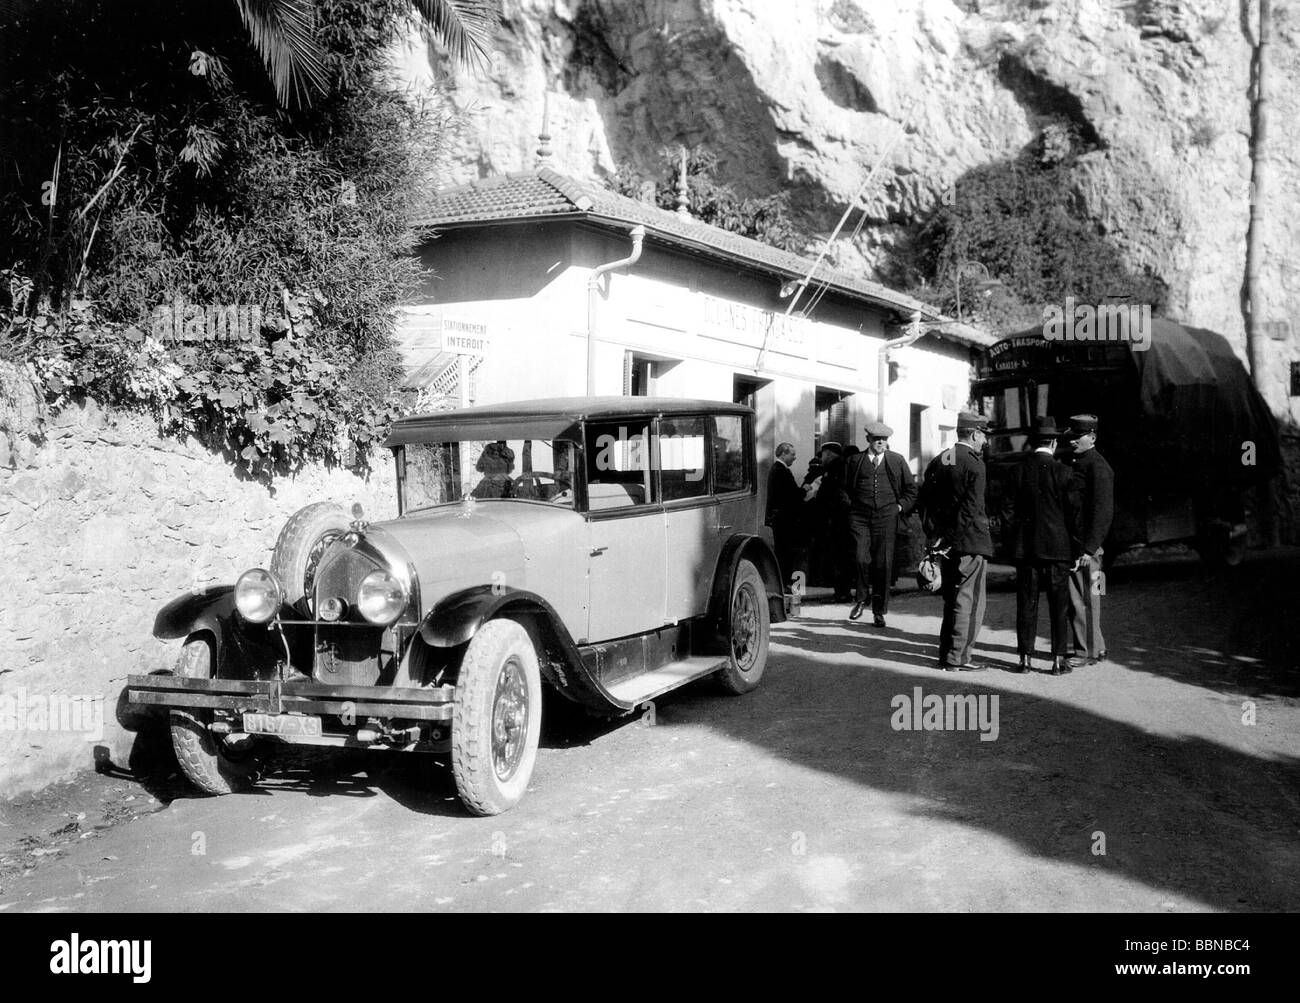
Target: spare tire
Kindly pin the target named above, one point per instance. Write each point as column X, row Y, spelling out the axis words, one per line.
column 300, row 546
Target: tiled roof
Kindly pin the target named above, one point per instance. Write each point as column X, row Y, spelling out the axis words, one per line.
column 546, row 194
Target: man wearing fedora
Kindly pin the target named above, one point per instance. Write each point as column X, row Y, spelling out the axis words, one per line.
column 880, row 490
column 951, row 504
column 1098, row 501
column 1042, row 519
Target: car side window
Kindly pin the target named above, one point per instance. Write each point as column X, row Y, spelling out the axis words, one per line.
column 682, row 473
column 618, row 465
column 730, row 471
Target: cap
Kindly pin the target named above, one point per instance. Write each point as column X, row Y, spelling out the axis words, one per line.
column 969, row 419
column 1083, row 424
column 878, row 430
column 834, row 447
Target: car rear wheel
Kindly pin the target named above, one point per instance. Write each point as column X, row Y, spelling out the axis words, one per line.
column 497, row 718
column 746, row 629
column 211, row 762
column 302, row 543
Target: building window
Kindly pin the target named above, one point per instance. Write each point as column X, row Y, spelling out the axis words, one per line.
column 744, row 390
column 915, row 433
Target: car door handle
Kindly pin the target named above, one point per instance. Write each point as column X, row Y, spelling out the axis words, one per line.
column 597, row 551
column 721, row 528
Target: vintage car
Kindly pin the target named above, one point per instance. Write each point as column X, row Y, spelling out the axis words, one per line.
column 607, row 548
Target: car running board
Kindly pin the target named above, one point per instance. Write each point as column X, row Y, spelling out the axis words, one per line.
column 645, row 686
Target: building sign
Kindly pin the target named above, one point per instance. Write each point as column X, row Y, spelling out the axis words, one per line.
column 742, row 324
column 464, row 337
column 1033, row 352
column 431, row 341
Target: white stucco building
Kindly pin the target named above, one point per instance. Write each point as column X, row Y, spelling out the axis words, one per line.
column 509, row 314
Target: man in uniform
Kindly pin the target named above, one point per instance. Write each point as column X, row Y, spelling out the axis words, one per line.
column 880, row 490
column 1044, row 512
column 1097, row 484
column 951, row 504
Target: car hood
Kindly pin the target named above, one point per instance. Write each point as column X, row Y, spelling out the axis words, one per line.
column 449, row 548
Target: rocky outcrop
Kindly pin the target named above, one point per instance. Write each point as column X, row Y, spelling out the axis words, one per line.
column 806, row 97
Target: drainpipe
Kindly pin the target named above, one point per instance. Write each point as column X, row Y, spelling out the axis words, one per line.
column 882, row 369
column 593, row 294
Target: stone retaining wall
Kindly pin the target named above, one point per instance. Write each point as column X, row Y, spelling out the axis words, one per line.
column 101, row 525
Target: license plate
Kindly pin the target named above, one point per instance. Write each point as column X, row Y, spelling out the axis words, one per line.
column 307, row 725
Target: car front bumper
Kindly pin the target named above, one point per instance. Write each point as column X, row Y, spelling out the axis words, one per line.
column 294, row 696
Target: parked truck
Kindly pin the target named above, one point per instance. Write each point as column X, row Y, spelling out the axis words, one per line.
column 1180, row 421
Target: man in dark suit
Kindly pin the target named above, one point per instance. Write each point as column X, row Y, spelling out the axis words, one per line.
column 785, row 502
column 880, row 491
column 1097, row 485
column 951, row 504
column 1044, row 512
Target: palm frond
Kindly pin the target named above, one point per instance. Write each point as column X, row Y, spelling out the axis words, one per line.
column 284, row 34
column 464, row 26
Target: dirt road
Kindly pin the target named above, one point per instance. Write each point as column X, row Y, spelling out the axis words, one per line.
column 1167, row 778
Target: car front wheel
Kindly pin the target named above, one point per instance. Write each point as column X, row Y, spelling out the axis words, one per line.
column 746, row 631
column 497, row 719
column 212, row 763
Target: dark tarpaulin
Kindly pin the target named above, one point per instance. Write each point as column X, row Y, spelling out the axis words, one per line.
column 1199, row 404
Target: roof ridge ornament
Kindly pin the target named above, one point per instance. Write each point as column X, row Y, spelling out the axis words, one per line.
column 682, row 199
column 544, row 137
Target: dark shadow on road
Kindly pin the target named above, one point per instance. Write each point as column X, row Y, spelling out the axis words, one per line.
column 1210, row 822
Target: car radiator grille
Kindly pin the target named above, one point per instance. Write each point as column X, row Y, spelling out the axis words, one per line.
column 352, row 656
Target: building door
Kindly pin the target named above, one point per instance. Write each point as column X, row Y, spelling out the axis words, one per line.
column 832, row 418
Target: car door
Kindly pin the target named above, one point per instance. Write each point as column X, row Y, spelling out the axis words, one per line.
column 625, row 523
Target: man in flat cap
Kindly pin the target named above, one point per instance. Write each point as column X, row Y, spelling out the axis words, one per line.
column 1042, row 518
column 951, row 503
column 880, row 490
column 1087, row 582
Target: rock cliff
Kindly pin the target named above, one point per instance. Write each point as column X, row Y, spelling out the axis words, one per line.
column 806, row 96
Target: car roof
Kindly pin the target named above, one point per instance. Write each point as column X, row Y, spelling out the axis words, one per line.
column 547, row 417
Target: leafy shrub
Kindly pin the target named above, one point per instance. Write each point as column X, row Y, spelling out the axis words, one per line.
column 179, row 178
column 1022, row 221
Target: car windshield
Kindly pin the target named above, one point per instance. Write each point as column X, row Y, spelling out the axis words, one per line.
column 537, row 470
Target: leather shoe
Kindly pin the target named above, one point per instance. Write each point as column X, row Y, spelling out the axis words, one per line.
column 971, row 666
column 1063, row 664
column 856, row 611
column 1022, row 664
column 879, row 620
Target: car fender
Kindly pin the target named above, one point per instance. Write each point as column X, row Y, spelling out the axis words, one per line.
column 457, row 618
column 239, row 648
column 757, row 552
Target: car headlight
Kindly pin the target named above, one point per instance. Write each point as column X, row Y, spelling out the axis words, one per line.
column 381, row 598
column 258, row 595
